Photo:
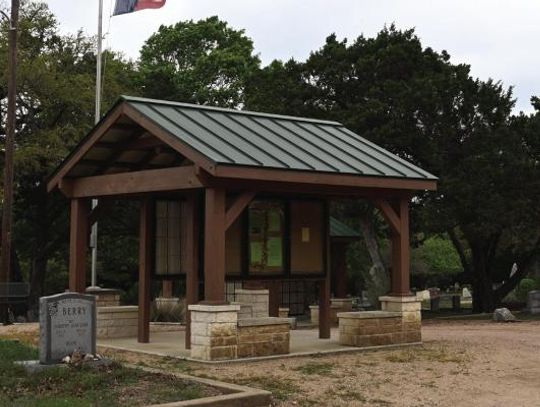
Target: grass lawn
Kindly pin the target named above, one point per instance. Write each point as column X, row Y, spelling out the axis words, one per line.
column 84, row 386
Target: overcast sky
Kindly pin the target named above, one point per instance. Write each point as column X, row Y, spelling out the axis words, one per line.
column 499, row 39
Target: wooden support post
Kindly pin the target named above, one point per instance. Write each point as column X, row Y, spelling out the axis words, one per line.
column 214, row 246
column 145, row 262
column 274, row 298
column 324, row 308
column 78, row 244
column 190, row 256
column 324, row 288
column 338, row 257
column 397, row 216
column 401, row 252
column 167, row 289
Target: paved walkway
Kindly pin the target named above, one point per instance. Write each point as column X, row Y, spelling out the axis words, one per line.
column 303, row 341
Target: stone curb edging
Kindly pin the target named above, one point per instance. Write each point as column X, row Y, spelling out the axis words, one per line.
column 235, row 395
column 348, row 349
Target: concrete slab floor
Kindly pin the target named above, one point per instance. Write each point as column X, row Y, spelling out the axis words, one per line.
column 303, row 341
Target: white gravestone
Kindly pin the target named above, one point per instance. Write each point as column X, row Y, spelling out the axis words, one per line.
column 67, row 323
column 466, row 294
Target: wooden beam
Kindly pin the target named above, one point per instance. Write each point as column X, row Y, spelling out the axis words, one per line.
column 117, row 153
column 85, row 145
column 148, row 157
column 190, row 256
column 145, row 264
column 99, row 163
column 298, row 187
column 78, row 243
column 214, row 246
column 320, row 178
column 401, row 250
column 143, row 143
column 165, row 179
column 389, row 214
column 125, row 127
column 238, row 207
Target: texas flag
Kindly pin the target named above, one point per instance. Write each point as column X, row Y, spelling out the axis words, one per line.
column 129, row 6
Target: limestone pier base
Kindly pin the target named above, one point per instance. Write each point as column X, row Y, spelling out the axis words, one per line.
column 399, row 322
column 409, row 307
column 218, row 334
column 214, row 331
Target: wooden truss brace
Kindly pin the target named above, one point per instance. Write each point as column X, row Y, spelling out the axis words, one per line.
column 237, row 207
column 391, row 216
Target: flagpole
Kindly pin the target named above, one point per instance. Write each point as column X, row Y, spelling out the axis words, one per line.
column 94, row 234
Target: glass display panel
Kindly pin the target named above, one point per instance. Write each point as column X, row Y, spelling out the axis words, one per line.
column 266, row 237
column 167, row 238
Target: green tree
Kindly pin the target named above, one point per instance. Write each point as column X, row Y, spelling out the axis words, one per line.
column 416, row 103
column 56, row 76
column 204, row 62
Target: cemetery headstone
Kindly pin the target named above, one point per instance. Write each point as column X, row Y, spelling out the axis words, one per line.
column 67, row 323
column 533, row 302
column 466, row 294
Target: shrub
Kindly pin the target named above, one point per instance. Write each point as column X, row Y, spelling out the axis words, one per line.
column 523, row 288
column 167, row 312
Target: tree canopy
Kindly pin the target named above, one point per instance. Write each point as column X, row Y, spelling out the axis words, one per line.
column 56, row 76
column 416, row 103
column 204, row 62
column 389, row 88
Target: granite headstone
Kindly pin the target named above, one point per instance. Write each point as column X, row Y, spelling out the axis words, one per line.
column 67, row 323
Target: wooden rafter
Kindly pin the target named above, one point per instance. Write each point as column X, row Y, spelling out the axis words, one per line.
column 85, row 146
column 118, row 152
column 129, row 145
column 169, row 139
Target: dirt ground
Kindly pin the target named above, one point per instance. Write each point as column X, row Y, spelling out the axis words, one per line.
column 473, row 363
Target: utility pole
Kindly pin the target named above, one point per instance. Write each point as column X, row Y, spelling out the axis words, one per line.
column 5, row 262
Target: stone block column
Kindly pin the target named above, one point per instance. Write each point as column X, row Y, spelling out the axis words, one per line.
column 258, row 299
column 214, row 331
column 338, row 305
column 411, row 316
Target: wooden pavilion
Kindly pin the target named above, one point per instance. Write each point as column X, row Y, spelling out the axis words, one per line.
column 231, row 194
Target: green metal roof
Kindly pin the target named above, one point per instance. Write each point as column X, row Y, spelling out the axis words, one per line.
column 241, row 138
column 339, row 229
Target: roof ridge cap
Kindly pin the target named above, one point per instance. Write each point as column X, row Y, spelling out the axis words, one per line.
column 137, row 99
